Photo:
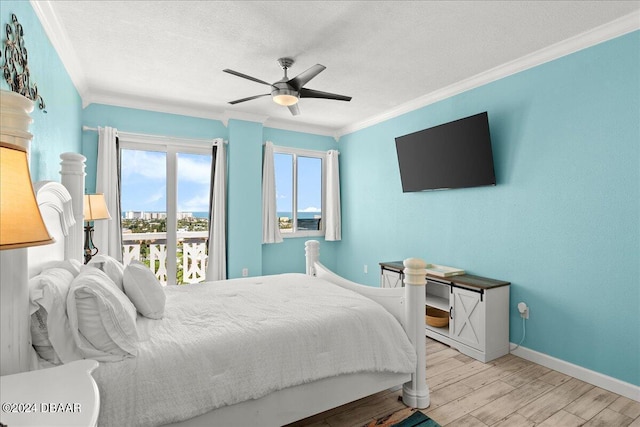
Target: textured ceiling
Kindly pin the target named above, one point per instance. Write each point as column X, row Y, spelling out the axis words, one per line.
column 169, row 55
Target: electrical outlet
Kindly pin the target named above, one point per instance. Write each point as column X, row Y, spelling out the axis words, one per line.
column 523, row 308
column 366, row 269
column 245, row 272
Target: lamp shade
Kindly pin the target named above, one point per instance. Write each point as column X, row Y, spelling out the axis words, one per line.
column 95, row 207
column 21, row 223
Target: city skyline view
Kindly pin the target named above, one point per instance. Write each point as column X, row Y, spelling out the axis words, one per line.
column 144, row 182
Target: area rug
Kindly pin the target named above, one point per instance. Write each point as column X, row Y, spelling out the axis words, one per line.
column 404, row 418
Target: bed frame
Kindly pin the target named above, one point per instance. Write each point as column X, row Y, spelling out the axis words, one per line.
column 294, row 403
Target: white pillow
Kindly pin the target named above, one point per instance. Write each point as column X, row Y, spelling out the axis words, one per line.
column 144, row 290
column 111, row 266
column 50, row 330
column 72, row 265
column 102, row 319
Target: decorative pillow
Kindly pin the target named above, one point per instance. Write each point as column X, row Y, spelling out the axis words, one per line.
column 144, row 290
column 50, row 330
column 102, row 319
column 111, row 266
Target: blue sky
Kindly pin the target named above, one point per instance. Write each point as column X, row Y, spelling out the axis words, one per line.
column 309, row 183
column 144, row 181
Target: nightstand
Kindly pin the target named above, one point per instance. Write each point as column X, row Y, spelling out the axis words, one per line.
column 65, row 395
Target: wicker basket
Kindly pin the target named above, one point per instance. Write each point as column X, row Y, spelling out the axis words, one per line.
column 436, row 317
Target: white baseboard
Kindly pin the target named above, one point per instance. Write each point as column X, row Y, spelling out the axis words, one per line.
column 592, row 377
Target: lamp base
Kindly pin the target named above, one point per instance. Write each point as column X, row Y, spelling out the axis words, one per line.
column 90, row 249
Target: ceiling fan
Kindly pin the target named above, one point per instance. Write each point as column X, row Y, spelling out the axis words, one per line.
column 287, row 91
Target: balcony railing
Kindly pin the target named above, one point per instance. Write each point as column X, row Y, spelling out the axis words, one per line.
column 192, row 254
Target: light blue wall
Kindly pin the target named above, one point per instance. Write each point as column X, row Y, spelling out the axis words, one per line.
column 244, row 199
column 562, row 224
column 140, row 121
column 58, row 130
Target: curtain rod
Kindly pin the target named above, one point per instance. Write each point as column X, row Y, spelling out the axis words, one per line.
column 145, row 135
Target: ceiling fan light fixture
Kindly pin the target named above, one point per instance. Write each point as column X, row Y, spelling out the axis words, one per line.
column 287, row 92
column 284, row 97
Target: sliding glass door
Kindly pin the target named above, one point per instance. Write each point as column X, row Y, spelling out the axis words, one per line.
column 165, row 208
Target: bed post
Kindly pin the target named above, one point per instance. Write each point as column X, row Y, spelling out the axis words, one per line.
column 312, row 254
column 72, row 177
column 416, row 392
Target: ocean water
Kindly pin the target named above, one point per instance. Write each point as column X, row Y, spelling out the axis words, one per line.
column 301, row 215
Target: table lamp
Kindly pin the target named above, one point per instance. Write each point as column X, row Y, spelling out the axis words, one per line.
column 21, row 224
column 95, row 208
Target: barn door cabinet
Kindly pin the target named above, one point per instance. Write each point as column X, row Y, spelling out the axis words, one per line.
column 478, row 310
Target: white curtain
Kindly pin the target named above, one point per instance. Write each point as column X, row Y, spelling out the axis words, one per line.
column 332, row 212
column 108, row 233
column 270, row 226
column 217, row 261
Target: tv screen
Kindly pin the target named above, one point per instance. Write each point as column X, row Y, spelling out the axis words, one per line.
column 452, row 155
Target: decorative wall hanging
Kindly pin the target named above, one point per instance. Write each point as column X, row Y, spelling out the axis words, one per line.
column 15, row 67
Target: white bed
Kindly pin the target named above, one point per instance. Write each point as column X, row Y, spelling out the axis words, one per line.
column 209, row 360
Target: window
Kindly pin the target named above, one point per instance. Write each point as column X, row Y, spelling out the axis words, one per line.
column 165, row 203
column 300, row 196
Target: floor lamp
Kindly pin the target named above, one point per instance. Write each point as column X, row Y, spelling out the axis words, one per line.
column 95, row 208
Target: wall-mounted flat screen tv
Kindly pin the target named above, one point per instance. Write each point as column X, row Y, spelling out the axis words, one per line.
column 452, row 155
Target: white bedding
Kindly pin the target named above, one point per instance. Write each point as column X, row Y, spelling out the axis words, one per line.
column 221, row 343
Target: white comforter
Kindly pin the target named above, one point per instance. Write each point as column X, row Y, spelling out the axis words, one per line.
column 221, row 343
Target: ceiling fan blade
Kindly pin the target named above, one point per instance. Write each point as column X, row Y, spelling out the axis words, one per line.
column 303, row 78
column 295, row 110
column 244, row 76
column 310, row 93
column 237, row 101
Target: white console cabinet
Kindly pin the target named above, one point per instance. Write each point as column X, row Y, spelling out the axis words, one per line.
column 478, row 311
column 391, row 278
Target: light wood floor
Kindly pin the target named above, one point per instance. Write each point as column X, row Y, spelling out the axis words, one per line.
column 506, row 392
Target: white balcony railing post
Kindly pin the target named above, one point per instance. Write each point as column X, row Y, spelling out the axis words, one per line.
column 130, row 253
column 194, row 255
column 194, row 262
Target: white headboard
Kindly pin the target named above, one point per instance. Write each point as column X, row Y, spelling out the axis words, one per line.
column 61, row 208
column 55, row 206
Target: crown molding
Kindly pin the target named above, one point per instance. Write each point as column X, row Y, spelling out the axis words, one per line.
column 269, row 122
column 60, row 42
column 240, row 115
column 305, row 128
column 62, row 45
column 611, row 30
column 150, row 104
